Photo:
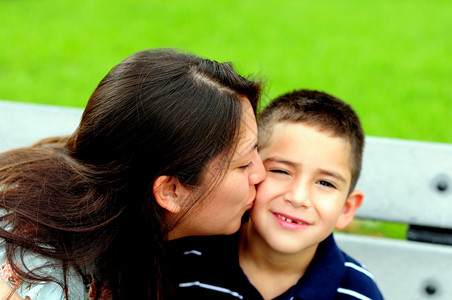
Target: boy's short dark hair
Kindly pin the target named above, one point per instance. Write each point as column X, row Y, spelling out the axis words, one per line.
column 318, row 109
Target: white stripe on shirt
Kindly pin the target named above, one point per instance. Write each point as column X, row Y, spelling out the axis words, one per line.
column 196, row 252
column 359, row 268
column 352, row 293
column 210, row 287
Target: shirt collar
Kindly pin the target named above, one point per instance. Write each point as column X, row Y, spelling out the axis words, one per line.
column 323, row 276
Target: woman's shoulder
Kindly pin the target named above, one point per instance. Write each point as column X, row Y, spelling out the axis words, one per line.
column 24, row 288
column 49, row 290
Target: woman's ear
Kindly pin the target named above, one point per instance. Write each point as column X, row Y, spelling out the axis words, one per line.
column 169, row 193
column 354, row 201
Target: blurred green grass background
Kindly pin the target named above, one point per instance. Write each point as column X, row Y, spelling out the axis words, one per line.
column 390, row 59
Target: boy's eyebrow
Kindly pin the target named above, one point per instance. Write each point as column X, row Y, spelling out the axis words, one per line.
column 297, row 165
column 282, row 161
column 333, row 174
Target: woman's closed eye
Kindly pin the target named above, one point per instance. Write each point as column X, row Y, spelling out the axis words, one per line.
column 248, row 165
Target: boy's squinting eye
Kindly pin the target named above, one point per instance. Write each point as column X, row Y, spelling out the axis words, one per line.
column 278, row 171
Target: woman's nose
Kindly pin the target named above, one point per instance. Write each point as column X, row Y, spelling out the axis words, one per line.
column 258, row 174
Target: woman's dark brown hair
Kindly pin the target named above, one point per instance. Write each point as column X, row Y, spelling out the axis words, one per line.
column 86, row 200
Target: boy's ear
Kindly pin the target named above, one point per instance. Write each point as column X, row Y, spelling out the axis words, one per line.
column 354, row 201
column 169, row 193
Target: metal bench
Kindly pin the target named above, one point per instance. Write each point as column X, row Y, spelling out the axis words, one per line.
column 404, row 181
column 24, row 123
column 409, row 182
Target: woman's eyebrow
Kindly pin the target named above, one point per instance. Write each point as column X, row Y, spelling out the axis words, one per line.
column 247, row 150
column 252, row 147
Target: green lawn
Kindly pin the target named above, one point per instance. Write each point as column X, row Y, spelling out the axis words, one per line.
column 391, row 59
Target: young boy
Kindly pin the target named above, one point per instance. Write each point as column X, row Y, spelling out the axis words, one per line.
column 311, row 144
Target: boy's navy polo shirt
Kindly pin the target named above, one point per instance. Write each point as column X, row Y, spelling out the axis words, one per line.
column 208, row 268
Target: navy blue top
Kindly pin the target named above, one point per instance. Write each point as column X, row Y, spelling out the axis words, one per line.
column 208, row 268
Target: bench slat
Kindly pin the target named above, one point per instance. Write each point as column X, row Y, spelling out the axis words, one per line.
column 24, row 123
column 403, row 269
column 400, row 181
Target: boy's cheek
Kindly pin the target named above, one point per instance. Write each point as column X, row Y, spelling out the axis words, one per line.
column 265, row 191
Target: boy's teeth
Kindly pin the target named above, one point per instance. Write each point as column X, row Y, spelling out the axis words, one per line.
column 287, row 219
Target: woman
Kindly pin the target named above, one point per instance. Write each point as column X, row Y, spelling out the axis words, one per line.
column 166, row 148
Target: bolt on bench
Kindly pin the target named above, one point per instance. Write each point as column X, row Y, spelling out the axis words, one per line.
column 403, row 181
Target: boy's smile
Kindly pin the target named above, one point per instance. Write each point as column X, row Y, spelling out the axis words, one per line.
column 290, row 222
column 304, row 195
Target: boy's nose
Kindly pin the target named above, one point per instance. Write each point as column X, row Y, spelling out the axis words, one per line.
column 298, row 195
column 258, row 173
